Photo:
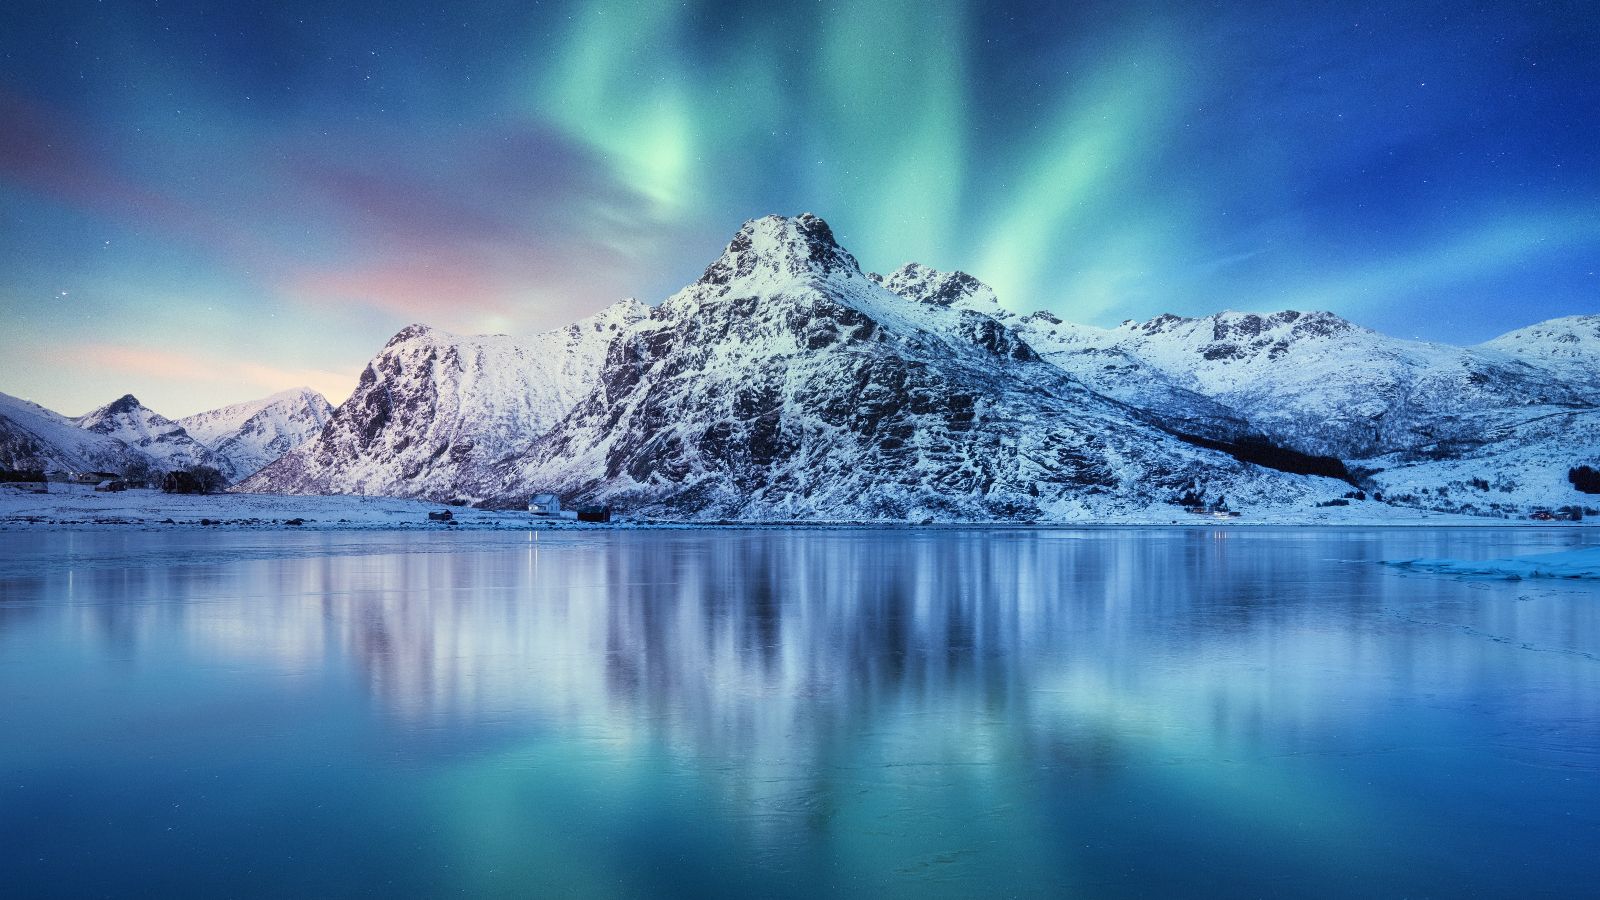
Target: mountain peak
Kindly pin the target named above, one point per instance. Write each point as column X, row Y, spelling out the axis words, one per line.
column 925, row 284
column 302, row 392
column 123, row 404
column 623, row 312
column 1235, row 325
column 1579, row 329
column 412, row 331
column 782, row 247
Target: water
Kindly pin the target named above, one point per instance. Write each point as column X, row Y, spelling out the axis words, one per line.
column 1120, row 712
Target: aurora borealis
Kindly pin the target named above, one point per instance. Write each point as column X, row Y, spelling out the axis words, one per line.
column 205, row 202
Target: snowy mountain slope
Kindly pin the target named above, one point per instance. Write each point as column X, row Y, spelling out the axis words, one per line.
column 1515, row 470
column 1568, row 348
column 1109, row 371
column 32, row 437
column 786, row 384
column 1323, row 385
column 433, row 409
column 247, row 436
column 157, row 437
column 1440, row 422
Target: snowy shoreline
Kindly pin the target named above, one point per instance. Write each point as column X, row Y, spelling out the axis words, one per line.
column 79, row 507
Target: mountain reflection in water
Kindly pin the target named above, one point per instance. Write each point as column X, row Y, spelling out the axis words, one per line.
column 851, row 711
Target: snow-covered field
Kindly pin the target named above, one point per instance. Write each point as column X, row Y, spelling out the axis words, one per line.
column 1583, row 562
column 79, row 506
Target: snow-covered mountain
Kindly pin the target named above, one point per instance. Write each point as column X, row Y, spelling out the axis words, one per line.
column 1491, row 429
column 247, row 436
column 125, row 436
column 1109, row 371
column 1512, row 470
column 1321, row 384
column 786, row 384
column 32, row 437
column 1568, row 348
column 433, row 410
column 162, row 440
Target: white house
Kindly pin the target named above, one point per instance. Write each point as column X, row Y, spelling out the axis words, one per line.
column 545, row 505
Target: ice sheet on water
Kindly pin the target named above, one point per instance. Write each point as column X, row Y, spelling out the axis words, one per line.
column 1583, row 562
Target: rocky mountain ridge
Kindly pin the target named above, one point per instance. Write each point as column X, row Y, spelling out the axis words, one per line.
column 434, row 411
column 126, row 437
column 35, row 438
column 146, row 431
column 786, row 383
column 247, row 436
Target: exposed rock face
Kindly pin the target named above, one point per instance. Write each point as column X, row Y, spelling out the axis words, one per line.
column 765, row 251
column 929, row 285
column 1320, row 384
column 125, row 436
column 787, row 385
column 434, row 410
column 34, row 438
column 1147, row 390
column 162, row 440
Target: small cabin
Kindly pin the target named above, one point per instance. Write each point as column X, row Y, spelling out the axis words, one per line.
column 443, row 515
column 111, row 486
column 594, row 514
column 545, row 505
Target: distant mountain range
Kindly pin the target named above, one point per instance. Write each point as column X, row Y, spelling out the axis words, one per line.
column 245, row 437
column 433, row 410
column 787, row 384
column 125, row 435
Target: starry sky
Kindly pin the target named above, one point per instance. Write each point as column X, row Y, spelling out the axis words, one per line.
column 204, row 202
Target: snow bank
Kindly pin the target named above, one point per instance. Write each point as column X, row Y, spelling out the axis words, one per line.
column 1580, row 563
column 79, row 506
column 76, row 506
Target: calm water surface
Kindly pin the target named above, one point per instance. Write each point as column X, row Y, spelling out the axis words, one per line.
column 883, row 713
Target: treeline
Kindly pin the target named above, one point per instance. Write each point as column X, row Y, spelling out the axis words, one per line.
column 190, row 480
column 1262, row 452
column 1585, row 479
column 193, row 480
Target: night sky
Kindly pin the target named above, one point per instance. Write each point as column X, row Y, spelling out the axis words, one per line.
column 205, row 202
